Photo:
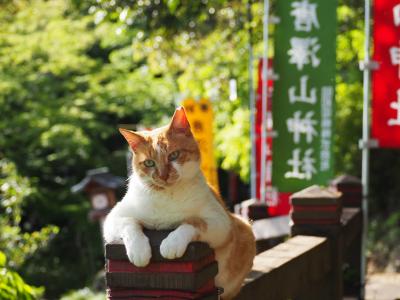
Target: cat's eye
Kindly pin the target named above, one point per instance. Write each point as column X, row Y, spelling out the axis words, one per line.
column 173, row 155
column 149, row 163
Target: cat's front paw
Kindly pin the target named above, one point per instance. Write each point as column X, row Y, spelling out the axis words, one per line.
column 174, row 245
column 139, row 251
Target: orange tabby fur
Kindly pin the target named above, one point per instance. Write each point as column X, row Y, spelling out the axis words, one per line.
column 166, row 182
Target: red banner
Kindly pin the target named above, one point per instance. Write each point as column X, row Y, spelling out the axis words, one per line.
column 278, row 203
column 386, row 80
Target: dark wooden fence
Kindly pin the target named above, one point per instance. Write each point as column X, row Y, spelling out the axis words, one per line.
column 321, row 259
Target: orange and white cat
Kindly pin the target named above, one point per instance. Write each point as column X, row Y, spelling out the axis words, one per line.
column 168, row 190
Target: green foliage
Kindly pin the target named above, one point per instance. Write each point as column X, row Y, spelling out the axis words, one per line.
column 14, row 242
column 349, row 51
column 13, row 287
column 384, row 242
column 65, row 86
column 84, row 294
column 2, row 259
column 231, row 140
column 199, row 45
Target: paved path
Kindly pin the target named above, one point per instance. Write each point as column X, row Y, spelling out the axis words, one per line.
column 385, row 286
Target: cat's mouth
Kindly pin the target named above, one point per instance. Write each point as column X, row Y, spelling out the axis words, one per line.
column 160, row 185
column 156, row 187
column 166, row 183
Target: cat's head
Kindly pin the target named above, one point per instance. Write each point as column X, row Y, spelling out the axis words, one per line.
column 166, row 155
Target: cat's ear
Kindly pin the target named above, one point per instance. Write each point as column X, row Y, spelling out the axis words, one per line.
column 133, row 139
column 179, row 122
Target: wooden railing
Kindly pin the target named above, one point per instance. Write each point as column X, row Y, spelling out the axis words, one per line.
column 321, row 259
column 313, row 263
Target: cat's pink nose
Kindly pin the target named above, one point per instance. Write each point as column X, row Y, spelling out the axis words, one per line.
column 164, row 176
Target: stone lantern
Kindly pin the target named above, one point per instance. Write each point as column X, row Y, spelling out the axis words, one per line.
column 100, row 185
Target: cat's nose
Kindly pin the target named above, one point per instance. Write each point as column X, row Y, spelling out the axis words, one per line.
column 164, row 177
column 164, row 174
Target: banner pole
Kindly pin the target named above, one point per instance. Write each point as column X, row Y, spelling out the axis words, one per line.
column 264, row 98
column 253, row 168
column 365, row 144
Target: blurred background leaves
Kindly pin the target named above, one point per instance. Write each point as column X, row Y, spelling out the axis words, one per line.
column 71, row 71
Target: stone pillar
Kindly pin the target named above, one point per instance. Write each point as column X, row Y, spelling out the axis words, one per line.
column 351, row 189
column 316, row 211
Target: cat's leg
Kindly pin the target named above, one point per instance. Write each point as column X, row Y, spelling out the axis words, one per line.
column 235, row 259
column 175, row 244
column 214, row 231
column 217, row 231
column 136, row 243
column 127, row 229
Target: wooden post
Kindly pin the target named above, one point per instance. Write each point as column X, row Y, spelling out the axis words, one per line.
column 351, row 189
column 316, row 211
column 189, row 277
column 233, row 188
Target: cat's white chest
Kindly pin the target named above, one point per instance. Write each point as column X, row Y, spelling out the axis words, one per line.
column 163, row 210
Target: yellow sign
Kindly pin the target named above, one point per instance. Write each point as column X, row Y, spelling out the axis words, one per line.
column 200, row 116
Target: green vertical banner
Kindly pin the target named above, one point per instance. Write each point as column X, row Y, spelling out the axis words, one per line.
column 304, row 94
